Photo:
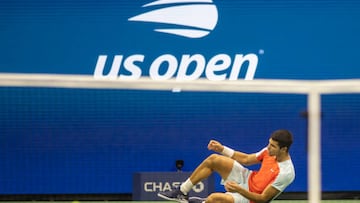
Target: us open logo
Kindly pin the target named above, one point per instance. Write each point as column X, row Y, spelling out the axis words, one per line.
column 186, row 18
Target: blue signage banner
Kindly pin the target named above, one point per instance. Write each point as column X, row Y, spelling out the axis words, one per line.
column 79, row 141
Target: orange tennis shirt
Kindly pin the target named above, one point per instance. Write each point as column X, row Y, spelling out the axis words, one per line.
column 278, row 174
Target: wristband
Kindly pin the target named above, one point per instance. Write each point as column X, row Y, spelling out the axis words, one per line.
column 227, row 151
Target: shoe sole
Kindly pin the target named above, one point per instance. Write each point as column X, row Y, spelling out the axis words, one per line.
column 172, row 199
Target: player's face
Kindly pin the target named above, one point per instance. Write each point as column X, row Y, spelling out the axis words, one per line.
column 273, row 147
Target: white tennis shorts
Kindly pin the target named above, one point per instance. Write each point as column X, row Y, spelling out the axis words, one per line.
column 239, row 174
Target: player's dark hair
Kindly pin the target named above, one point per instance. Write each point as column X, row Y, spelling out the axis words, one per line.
column 283, row 137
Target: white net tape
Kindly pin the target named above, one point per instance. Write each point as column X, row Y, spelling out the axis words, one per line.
column 255, row 86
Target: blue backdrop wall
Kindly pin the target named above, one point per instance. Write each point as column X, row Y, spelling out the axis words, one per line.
column 56, row 141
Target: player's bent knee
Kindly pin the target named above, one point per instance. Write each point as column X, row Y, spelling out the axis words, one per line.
column 210, row 159
column 216, row 159
column 213, row 157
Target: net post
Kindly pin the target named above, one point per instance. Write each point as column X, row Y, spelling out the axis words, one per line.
column 314, row 149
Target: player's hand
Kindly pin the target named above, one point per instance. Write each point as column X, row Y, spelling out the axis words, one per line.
column 215, row 146
column 232, row 186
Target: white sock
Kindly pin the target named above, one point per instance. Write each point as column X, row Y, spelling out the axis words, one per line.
column 186, row 186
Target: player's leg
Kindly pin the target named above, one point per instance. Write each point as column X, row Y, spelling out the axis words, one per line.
column 220, row 197
column 228, row 197
column 214, row 163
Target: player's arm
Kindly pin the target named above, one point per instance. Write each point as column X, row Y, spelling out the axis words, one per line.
column 241, row 157
column 245, row 159
column 268, row 194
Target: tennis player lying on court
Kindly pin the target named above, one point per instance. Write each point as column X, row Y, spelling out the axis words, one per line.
column 242, row 185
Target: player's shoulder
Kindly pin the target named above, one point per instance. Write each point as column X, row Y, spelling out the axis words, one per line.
column 285, row 176
column 262, row 152
column 287, row 168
